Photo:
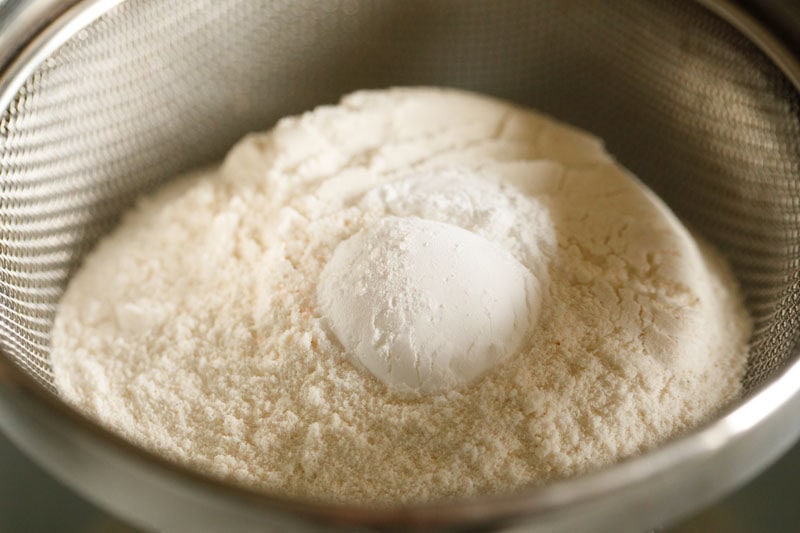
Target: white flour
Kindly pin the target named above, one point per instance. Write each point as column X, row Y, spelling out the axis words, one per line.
column 195, row 328
column 432, row 299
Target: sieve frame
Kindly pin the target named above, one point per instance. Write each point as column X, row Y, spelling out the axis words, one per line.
column 689, row 472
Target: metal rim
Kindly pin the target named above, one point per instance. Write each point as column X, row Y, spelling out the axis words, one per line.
column 759, row 35
column 712, row 437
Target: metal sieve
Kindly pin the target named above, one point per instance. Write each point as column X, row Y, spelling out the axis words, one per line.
column 102, row 100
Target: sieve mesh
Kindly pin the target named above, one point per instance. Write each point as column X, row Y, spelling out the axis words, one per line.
column 154, row 88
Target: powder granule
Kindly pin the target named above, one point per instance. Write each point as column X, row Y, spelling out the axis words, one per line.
column 194, row 329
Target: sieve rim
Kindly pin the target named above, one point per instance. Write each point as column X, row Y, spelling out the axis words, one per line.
column 701, row 442
column 786, row 61
column 737, row 419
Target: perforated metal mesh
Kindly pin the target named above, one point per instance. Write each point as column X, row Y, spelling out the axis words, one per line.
column 155, row 88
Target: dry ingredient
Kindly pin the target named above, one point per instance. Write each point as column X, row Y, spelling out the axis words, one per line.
column 235, row 321
column 426, row 306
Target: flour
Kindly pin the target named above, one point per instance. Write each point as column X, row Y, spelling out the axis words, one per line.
column 426, row 306
column 196, row 330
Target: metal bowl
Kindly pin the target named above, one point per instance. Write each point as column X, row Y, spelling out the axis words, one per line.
column 102, row 100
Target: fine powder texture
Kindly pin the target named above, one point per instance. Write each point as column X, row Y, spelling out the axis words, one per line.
column 426, row 306
column 195, row 328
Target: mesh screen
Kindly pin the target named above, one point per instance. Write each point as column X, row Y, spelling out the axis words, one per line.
column 153, row 88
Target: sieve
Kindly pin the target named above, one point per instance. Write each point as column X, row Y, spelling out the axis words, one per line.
column 102, row 100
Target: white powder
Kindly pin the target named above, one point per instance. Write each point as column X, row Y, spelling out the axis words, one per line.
column 427, row 306
column 195, row 328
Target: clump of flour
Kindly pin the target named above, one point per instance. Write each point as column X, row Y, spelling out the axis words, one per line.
column 432, row 299
column 426, row 306
column 197, row 328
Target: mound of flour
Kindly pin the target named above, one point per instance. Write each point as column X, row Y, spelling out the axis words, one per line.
column 195, row 329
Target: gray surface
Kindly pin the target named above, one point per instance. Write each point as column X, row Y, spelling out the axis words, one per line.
column 32, row 501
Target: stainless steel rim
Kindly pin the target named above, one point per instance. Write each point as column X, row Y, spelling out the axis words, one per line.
column 710, row 439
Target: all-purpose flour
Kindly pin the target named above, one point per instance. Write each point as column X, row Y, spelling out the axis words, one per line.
column 205, row 327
